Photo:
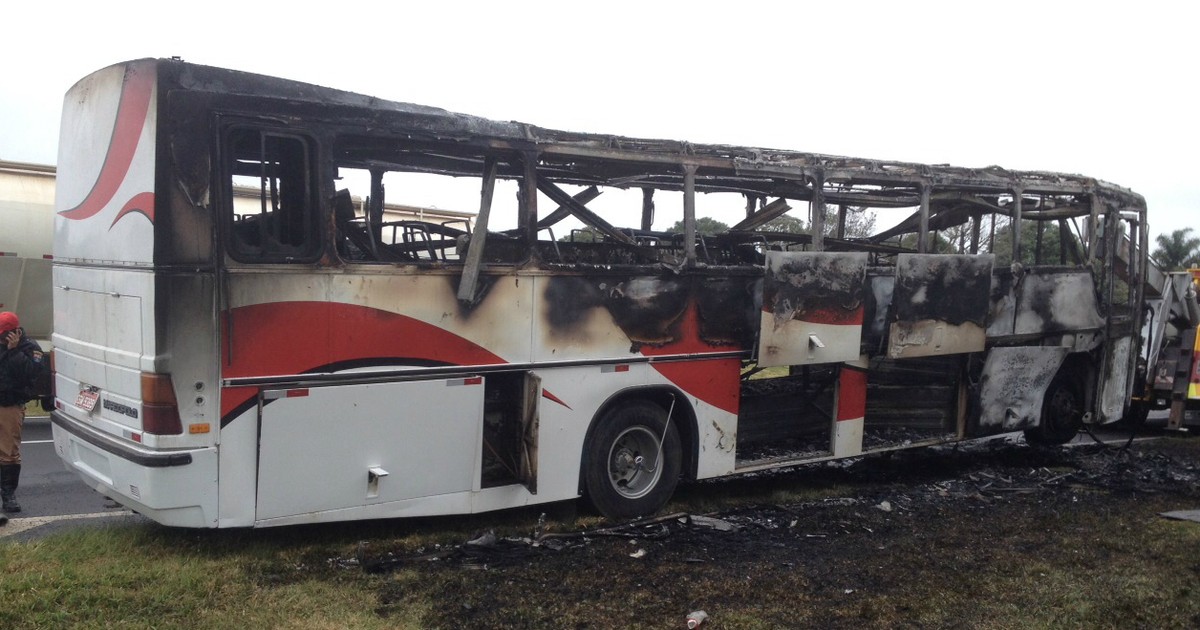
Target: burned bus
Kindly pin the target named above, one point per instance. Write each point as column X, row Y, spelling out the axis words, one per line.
column 579, row 334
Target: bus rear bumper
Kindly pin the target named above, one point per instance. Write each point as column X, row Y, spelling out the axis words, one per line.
column 175, row 487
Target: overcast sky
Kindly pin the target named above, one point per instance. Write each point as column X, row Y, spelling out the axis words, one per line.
column 1106, row 90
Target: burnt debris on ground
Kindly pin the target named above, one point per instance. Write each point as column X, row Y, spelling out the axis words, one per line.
column 982, row 534
column 968, row 476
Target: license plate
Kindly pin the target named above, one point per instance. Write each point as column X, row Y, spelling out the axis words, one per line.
column 87, row 400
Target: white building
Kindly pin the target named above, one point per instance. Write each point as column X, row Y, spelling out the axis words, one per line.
column 26, row 236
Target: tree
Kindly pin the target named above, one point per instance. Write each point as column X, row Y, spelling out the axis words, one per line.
column 785, row 223
column 937, row 243
column 582, row 235
column 860, row 222
column 704, row 225
column 1177, row 251
column 1052, row 246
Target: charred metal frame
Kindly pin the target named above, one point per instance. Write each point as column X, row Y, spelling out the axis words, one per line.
column 362, row 132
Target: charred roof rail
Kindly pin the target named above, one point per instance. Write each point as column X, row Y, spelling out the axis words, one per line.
column 416, row 138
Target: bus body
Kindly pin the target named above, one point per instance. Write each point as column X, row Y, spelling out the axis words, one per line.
column 306, row 358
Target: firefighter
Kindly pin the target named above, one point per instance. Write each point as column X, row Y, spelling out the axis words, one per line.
column 21, row 362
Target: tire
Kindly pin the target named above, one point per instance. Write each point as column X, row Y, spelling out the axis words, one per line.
column 1062, row 414
column 626, row 474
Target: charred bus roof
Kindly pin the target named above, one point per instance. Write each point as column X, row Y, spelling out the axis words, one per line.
column 600, row 159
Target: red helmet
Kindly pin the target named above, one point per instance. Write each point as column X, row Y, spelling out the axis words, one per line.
column 8, row 322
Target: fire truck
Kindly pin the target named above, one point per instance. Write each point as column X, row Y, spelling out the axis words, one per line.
column 1168, row 375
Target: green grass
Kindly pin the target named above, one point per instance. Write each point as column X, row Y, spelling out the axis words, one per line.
column 150, row 577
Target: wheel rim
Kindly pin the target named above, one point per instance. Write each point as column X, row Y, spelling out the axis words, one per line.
column 1062, row 410
column 633, row 468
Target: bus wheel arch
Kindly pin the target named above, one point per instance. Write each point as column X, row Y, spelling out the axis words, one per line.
column 1063, row 405
column 634, row 454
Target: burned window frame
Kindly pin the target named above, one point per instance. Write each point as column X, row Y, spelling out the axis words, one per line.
column 366, row 239
column 291, row 191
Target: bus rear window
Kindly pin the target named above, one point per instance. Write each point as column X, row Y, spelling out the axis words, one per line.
column 272, row 215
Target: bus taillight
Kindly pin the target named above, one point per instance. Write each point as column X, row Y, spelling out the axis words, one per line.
column 160, row 412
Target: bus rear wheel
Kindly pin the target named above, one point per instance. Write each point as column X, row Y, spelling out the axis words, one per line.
column 632, row 461
column 1062, row 414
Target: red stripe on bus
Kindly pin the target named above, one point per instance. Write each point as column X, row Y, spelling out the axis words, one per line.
column 715, row 382
column 851, row 393
column 127, row 131
column 142, row 204
column 298, row 337
column 548, row 396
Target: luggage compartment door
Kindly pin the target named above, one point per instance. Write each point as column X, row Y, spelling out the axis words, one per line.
column 939, row 305
column 336, row 447
column 812, row 308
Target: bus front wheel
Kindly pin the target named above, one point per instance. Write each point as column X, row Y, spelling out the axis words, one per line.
column 632, row 461
column 1062, row 414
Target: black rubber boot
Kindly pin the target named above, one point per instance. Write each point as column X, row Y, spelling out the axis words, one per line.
column 10, row 475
